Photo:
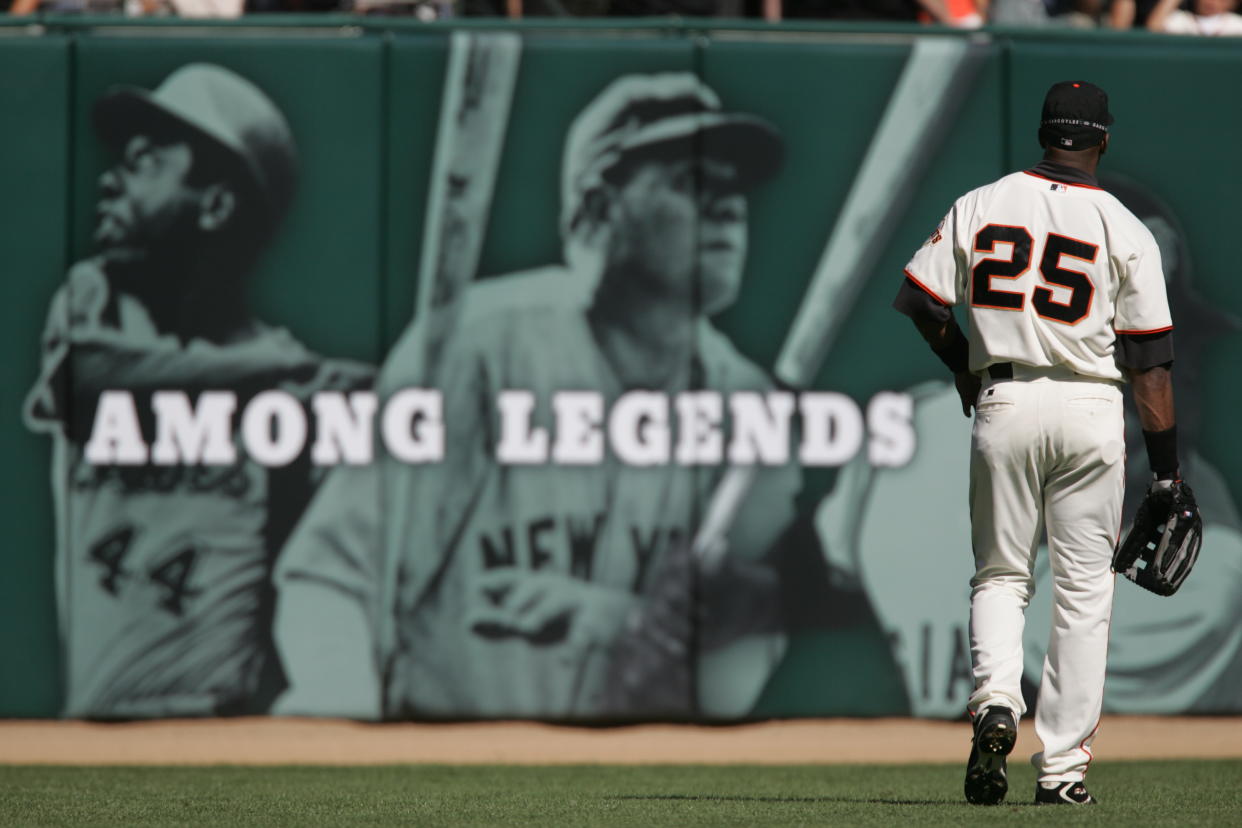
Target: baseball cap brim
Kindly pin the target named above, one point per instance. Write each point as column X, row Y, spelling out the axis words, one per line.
column 750, row 144
column 1071, row 137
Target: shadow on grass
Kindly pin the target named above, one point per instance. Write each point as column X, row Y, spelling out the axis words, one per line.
column 774, row 799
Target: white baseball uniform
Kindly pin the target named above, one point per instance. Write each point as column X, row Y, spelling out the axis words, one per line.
column 449, row 524
column 1051, row 269
column 161, row 570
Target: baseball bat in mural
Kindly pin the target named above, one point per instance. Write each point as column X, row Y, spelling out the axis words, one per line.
column 923, row 105
column 474, row 113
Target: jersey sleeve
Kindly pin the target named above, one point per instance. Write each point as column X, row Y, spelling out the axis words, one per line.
column 327, row 579
column 112, row 359
column 919, row 305
column 44, row 406
column 78, row 304
column 936, row 266
column 331, row 617
column 1142, row 302
column 332, row 614
column 374, row 536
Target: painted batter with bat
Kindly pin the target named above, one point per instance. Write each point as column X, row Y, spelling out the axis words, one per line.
column 162, row 561
column 517, row 587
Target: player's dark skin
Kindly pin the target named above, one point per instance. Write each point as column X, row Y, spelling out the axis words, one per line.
column 160, row 215
column 1153, row 388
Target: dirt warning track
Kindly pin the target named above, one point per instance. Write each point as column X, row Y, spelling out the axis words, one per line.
column 270, row 741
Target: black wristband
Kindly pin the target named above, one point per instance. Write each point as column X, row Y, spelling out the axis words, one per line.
column 1162, row 452
column 955, row 355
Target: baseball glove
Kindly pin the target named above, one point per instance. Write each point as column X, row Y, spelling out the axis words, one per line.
column 1163, row 544
column 687, row 610
column 650, row 663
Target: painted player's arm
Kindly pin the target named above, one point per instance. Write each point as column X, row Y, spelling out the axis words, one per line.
column 79, row 302
column 840, row 513
column 329, row 594
column 755, row 596
column 369, row 531
column 534, row 604
column 326, row 592
column 736, row 628
column 105, row 358
column 754, row 589
column 538, row 605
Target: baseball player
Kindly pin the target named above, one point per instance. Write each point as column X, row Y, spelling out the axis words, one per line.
column 1066, row 300
column 515, row 581
column 162, row 569
column 1165, row 656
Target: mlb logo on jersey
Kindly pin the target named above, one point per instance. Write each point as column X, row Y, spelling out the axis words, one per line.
column 1057, row 187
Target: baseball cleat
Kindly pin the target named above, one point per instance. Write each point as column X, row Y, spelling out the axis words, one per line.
column 1063, row 793
column 996, row 730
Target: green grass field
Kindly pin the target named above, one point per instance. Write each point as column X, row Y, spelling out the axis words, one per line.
column 1131, row 793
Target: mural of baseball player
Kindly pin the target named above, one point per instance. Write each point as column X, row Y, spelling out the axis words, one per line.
column 913, row 587
column 517, row 582
column 163, row 559
column 1166, row 655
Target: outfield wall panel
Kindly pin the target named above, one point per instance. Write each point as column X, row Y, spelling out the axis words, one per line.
column 343, row 578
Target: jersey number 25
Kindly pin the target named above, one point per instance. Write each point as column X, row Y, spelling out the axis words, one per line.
column 1043, row 300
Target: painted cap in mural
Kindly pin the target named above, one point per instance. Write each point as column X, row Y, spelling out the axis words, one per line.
column 669, row 110
column 210, row 102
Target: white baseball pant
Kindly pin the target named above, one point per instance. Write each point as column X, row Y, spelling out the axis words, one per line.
column 1047, row 455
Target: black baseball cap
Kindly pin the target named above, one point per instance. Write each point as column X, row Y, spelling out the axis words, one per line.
column 1075, row 116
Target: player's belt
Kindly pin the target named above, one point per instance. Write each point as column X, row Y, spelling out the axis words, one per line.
column 1022, row 371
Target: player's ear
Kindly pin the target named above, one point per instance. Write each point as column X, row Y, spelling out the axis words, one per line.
column 596, row 206
column 1104, row 144
column 216, row 205
column 593, row 221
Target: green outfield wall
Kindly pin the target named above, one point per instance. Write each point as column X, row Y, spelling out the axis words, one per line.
column 251, row 467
